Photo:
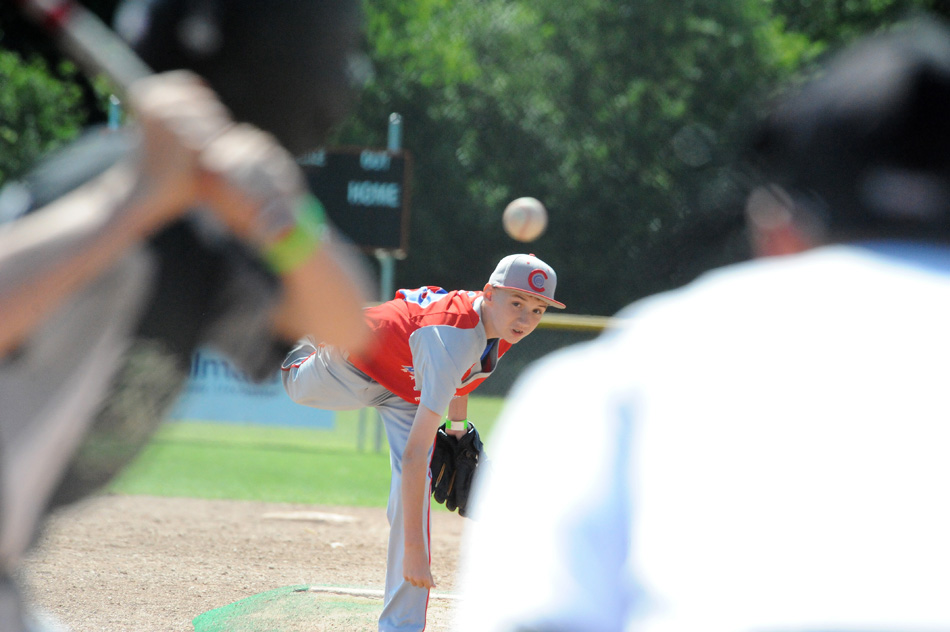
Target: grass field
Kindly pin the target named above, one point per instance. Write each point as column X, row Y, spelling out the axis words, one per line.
column 243, row 462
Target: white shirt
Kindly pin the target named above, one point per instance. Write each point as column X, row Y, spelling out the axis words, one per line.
column 765, row 449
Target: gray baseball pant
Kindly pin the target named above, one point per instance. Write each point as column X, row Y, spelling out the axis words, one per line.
column 320, row 376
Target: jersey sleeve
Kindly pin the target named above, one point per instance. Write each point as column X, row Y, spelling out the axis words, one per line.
column 441, row 354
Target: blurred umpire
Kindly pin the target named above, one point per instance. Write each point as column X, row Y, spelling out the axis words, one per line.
column 765, row 448
column 127, row 250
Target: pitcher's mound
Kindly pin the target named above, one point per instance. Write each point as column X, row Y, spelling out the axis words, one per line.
column 312, row 609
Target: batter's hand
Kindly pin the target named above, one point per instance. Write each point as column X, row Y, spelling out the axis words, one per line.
column 194, row 154
column 179, row 117
column 253, row 183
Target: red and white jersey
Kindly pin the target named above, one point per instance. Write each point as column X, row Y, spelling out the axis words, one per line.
column 430, row 345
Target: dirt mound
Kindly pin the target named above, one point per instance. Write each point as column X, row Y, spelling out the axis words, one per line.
column 147, row 564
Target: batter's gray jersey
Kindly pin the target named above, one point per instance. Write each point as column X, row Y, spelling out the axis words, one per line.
column 765, row 449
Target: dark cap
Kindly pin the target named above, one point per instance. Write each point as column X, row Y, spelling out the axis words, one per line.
column 869, row 136
column 294, row 68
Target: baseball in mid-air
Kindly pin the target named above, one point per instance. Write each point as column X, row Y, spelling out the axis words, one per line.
column 525, row 219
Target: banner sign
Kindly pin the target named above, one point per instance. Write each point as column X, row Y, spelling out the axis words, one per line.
column 365, row 192
column 217, row 391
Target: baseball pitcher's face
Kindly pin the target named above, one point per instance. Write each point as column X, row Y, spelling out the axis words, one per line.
column 511, row 315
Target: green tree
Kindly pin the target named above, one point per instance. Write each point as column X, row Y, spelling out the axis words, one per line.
column 626, row 118
column 622, row 117
column 44, row 100
column 833, row 22
column 38, row 112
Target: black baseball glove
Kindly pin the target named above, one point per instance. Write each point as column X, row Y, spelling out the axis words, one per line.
column 467, row 456
column 454, row 463
column 443, row 465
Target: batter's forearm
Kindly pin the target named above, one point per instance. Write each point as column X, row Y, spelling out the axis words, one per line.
column 49, row 254
column 325, row 297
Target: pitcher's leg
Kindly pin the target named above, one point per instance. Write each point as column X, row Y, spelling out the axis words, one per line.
column 404, row 607
column 320, row 376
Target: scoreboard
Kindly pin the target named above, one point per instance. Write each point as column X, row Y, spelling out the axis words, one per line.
column 365, row 192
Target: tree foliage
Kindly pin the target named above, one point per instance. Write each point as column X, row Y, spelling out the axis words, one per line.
column 44, row 99
column 38, row 112
column 621, row 117
column 835, row 21
column 626, row 118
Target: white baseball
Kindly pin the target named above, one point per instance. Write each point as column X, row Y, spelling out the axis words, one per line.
column 525, row 219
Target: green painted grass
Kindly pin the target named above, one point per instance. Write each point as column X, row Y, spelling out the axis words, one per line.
column 290, row 609
column 244, row 462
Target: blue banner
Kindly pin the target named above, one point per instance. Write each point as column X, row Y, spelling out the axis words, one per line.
column 218, row 391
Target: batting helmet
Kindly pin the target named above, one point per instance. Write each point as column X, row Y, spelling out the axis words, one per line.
column 290, row 67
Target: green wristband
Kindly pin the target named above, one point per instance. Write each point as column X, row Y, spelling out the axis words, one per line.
column 456, row 425
column 301, row 242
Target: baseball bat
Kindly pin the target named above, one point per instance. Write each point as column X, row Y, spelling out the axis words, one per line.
column 95, row 47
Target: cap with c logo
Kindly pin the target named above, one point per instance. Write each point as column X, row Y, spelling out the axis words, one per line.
column 528, row 274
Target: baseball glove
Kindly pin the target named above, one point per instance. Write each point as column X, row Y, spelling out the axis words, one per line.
column 454, row 463
column 468, row 453
column 443, row 465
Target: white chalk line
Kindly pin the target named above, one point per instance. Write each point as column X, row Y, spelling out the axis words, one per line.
column 375, row 593
column 309, row 516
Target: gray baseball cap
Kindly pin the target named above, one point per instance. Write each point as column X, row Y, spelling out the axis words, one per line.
column 528, row 274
